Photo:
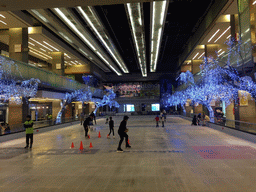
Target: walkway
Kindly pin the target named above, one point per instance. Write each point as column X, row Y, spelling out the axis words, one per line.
column 178, row 157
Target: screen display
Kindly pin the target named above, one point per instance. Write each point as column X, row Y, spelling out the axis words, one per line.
column 129, row 108
column 155, row 107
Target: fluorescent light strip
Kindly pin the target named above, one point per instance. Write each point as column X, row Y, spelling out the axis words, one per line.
column 229, row 36
column 222, row 34
column 201, row 55
column 74, row 27
column 254, row 3
column 51, row 46
column 195, row 56
column 3, row 22
column 31, row 43
column 213, row 35
column 222, row 53
column 43, row 49
column 2, row 16
column 40, row 44
column 153, row 19
column 67, row 55
column 132, row 21
column 41, row 52
column 101, row 38
column 83, row 52
column 220, row 50
column 39, row 55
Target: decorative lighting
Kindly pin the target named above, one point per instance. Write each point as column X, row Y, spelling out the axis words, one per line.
column 158, row 17
column 2, row 16
column 31, row 43
column 213, row 35
column 254, row 3
column 222, row 34
column 228, row 36
column 40, row 52
column 43, row 49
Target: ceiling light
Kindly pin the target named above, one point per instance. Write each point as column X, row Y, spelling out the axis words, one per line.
column 31, row 43
column 158, row 17
column 40, row 52
column 51, row 46
column 40, row 44
column 195, row 56
column 2, row 16
column 39, row 15
column 100, row 31
column 66, row 37
column 201, row 55
column 213, row 35
column 74, row 27
column 254, row 3
column 67, row 55
column 43, row 49
column 222, row 34
column 220, row 50
column 137, row 28
column 3, row 22
column 222, row 53
column 228, row 36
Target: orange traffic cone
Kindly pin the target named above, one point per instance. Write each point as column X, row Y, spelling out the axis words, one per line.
column 81, row 146
column 90, row 145
column 37, row 130
column 99, row 135
column 128, row 142
column 89, row 137
column 72, row 145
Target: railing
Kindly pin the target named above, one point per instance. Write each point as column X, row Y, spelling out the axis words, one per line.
column 15, row 128
column 234, row 124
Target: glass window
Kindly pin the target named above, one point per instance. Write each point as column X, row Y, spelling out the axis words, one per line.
column 155, row 107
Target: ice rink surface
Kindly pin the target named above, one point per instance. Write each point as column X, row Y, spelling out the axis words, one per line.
column 177, row 157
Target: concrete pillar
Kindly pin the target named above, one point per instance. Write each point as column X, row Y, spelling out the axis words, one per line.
column 211, row 49
column 58, row 63
column 234, row 27
column 18, row 44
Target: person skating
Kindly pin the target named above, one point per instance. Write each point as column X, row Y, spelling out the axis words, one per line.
column 122, row 131
column 28, row 124
column 162, row 118
column 87, row 124
column 111, row 127
column 194, row 121
column 157, row 121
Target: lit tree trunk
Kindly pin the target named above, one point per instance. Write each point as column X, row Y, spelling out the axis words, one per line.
column 63, row 107
column 184, row 110
column 211, row 113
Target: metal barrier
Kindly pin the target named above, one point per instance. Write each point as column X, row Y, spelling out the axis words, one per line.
column 15, row 128
column 234, row 124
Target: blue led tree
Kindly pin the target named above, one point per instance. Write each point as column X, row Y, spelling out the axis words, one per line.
column 12, row 85
column 217, row 82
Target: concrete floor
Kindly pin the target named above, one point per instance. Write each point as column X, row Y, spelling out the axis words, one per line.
column 178, row 157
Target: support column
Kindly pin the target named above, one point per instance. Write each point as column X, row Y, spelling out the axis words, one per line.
column 18, row 44
column 233, row 24
column 58, row 63
column 196, row 66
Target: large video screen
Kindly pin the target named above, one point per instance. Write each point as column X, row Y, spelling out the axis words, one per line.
column 130, row 108
column 155, row 107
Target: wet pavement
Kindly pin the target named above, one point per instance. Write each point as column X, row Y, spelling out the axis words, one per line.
column 177, row 157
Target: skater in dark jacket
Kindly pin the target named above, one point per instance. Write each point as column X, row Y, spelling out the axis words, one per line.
column 122, row 131
column 86, row 124
column 194, row 120
column 111, row 127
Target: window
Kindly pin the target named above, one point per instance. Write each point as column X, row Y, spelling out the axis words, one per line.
column 130, row 108
column 155, row 107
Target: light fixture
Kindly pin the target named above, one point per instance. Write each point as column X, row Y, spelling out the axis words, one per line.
column 254, row 3
column 219, row 50
column 67, row 55
column 222, row 34
column 222, row 53
column 39, row 15
column 83, row 52
column 31, row 43
column 51, row 46
column 91, row 19
column 135, row 17
column 63, row 16
column 213, row 35
column 40, row 44
column 2, row 16
column 3, row 22
column 201, row 55
column 43, row 49
column 40, row 52
column 85, row 36
column 195, row 56
column 157, row 24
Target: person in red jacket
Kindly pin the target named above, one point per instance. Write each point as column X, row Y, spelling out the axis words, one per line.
column 157, row 120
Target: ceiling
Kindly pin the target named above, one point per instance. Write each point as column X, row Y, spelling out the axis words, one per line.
column 181, row 20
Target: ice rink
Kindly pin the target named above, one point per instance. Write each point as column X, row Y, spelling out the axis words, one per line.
column 177, row 157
